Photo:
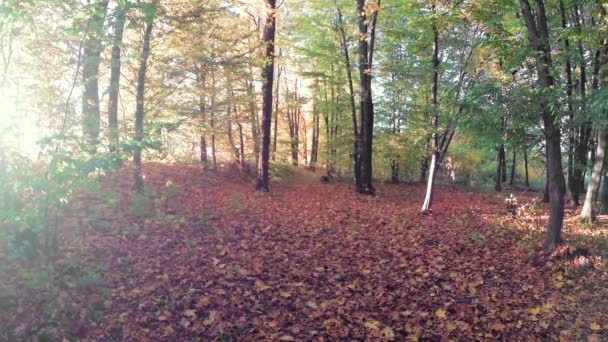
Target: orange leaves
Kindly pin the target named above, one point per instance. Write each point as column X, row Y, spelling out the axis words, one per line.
column 319, row 262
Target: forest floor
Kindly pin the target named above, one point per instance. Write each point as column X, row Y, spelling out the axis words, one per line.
column 210, row 259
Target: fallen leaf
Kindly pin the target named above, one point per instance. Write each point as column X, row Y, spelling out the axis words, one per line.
column 498, row 327
column 440, row 313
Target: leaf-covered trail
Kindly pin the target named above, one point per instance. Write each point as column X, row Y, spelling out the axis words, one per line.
column 316, row 261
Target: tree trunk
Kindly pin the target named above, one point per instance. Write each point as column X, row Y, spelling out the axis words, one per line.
column 236, row 155
column 267, row 76
column 588, row 213
column 141, row 88
column 428, row 199
column 314, row 149
column 276, row 111
column 604, row 199
column 572, row 184
column 538, row 36
column 513, row 168
column 498, row 182
column 394, row 171
column 254, row 120
column 526, row 168
column 93, row 46
column 115, row 63
column 503, row 164
column 200, row 80
column 203, row 148
column 241, row 145
column 353, row 108
column 367, row 107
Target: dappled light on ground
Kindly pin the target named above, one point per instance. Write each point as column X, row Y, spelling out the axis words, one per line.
column 209, row 257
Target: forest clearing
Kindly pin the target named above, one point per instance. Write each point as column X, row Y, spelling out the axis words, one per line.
column 303, row 170
column 220, row 262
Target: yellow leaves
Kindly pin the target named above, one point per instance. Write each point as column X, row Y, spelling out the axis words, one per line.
column 211, row 318
column 440, row 313
column 286, row 338
column 372, row 324
column 190, row 313
column 285, row 294
column 388, row 333
column 260, row 286
column 451, row 326
column 559, row 280
column 312, row 304
column 595, row 326
column 535, row 311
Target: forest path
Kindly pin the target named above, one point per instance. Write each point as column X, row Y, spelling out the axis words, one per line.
column 313, row 260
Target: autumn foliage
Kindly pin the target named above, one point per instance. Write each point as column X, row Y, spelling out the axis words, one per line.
column 215, row 260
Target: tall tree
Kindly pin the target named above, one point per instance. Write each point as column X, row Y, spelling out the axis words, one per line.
column 268, row 38
column 428, row 199
column 149, row 10
column 538, row 37
column 93, row 46
column 353, row 108
column 367, row 33
column 115, row 63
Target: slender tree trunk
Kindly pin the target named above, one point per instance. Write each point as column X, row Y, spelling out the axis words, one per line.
column 141, row 88
column 504, row 164
column 513, row 168
column 572, row 184
column 200, row 80
column 276, row 111
column 212, row 119
column 526, row 168
column 538, row 36
column 203, row 148
column 267, row 76
column 254, row 120
column 314, row 150
column 353, row 108
column 93, row 46
column 236, row 155
column 241, row 145
column 428, row 199
column 588, row 213
column 499, row 158
column 115, row 62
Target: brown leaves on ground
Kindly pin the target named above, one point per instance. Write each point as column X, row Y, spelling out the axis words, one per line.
column 312, row 261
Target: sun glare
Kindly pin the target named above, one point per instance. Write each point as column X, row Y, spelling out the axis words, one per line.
column 18, row 129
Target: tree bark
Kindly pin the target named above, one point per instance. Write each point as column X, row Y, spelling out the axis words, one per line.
column 115, row 63
column 499, row 158
column 141, row 88
column 428, row 199
column 267, row 77
column 526, row 168
column 538, row 36
column 353, row 108
column 367, row 107
column 513, row 168
column 588, row 212
column 93, row 47
column 276, row 110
